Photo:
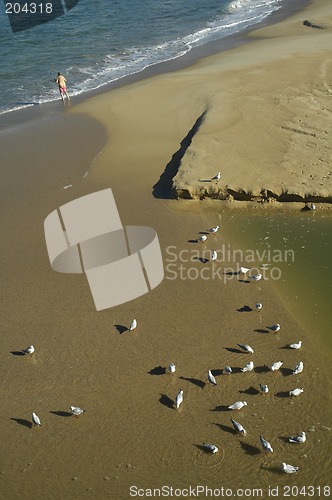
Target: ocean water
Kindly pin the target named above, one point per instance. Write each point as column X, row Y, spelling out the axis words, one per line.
column 102, row 41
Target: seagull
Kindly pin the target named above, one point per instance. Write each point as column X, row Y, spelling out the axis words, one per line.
column 312, row 206
column 246, row 348
column 133, row 325
column 211, row 378
column 276, row 365
column 258, row 306
column 295, row 392
column 264, row 388
column 76, row 410
column 211, row 447
column 214, row 229
column 274, row 328
column 248, row 368
column 256, row 277
column 171, row 368
column 289, row 469
column 298, row 368
column 214, row 256
column 238, row 405
column 35, row 419
column 29, row 350
column 203, row 237
column 296, row 345
column 179, row 399
column 244, row 270
column 238, row 427
column 227, row 370
column 300, row 438
column 266, row 445
column 216, row 177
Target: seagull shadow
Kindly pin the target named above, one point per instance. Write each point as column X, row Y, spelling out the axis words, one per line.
column 286, row 371
column 192, row 241
column 261, row 330
column 17, row 353
column 204, row 232
column 252, row 391
column 202, row 260
column 226, row 428
column 244, row 309
column 234, row 349
column 231, row 273
column 275, row 470
column 206, row 180
column 249, row 449
column 22, row 421
column 285, row 439
column 166, row 401
column 158, row 370
column 282, row 394
column 243, row 281
column 221, row 408
column 61, row 413
column 261, row 369
column 195, row 381
column 217, row 372
column 121, row 328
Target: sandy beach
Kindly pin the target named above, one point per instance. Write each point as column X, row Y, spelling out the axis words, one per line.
column 260, row 114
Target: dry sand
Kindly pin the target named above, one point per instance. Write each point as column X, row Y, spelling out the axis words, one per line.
column 124, row 139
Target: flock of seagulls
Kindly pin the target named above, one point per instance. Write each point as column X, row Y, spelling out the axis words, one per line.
column 227, row 370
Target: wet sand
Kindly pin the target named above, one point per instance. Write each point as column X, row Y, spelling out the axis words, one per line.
column 131, row 434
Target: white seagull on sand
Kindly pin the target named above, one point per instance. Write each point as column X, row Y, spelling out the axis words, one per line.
column 211, row 378
column 211, row 447
column 133, row 325
column 214, row 229
column 244, row 270
column 29, row 350
column 227, row 370
column 263, row 388
column 298, row 368
column 171, row 368
column 35, row 419
column 300, row 438
column 246, row 348
column 295, row 392
column 276, row 365
column 216, row 177
column 238, row 427
column 289, row 469
column 256, row 277
column 214, row 255
column 258, row 306
column 179, row 399
column 76, row 410
column 203, row 237
column 266, row 445
column 274, row 328
column 238, row 405
column 296, row 345
column 248, row 368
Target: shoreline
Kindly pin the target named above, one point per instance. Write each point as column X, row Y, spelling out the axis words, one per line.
column 15, row 118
